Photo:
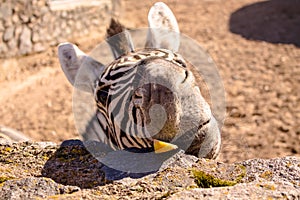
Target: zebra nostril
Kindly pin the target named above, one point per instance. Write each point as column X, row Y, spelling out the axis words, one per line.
column 186, row 76
column 137, row 97
column 139, row 93
column 138, row 102
column 203, row 124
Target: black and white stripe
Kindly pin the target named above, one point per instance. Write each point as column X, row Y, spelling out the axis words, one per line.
column 113, row 95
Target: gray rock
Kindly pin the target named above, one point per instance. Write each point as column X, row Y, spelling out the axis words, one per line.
column 36, row 34
column 39, row 3
column 64, row 14
column 117, row 8
column 76, row 171
column 78, row 25
column 3, row 48
column 25, row 41
column 39, row 47
column 1, row 27
column 44, row 10
column 12, row 44
column 33, row 187
column 253, row 190
column 15, row 18
column 33, row 20
column 8, row 23
column 72, row 164
column 24, row 18
column 18, row 32
column 5, row 10
column 46, row 18
column 278, row 169
column 8, row 34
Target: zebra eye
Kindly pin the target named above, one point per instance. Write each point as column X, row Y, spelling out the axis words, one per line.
column 102, row 94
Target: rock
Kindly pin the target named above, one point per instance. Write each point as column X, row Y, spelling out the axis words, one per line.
column 34, row 187
column 5, row 10
column 253, row 190
column 44, row 10
column 18, row 32
column 37, row 34
column 73, row 165
column 15, row 18
column 46, row 18
column 1, row 27
column 24, row 18
column 8, row 23
column 25, row 41
column 12, row 45
column 285, row 169
column 41, row 170
column 3, row 48
column 64, row 14
column 8, row 34
column 39, row 47
column 117, row 8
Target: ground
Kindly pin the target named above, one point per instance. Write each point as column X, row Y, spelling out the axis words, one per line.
column 255, row 45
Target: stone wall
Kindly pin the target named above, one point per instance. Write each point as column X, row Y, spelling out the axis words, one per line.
column 31, row 26
column 48, row 171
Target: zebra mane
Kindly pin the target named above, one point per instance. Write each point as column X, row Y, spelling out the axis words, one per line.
column 114, row 28
column 119, row 39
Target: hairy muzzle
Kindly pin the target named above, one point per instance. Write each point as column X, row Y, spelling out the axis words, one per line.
column 156, row 108
column 165, row 100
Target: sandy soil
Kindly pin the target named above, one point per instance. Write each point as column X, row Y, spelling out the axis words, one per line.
column 255, row 45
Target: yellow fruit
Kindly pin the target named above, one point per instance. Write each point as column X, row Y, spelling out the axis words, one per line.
column 161, row 147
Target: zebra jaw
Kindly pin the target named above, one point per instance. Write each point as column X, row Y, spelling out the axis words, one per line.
column 162, row 147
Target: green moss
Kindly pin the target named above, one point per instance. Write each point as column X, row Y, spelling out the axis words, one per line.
column 139, row 189
column 61, row 196
column 45, row 158
column 5, row 178
column 7, row 161
column 78, row 151
column 266, row 175
column 166, row 195
column 190, row 187
column 204, row 180
column 92, row 184
column 7, row 149
column 69, row 155
column 2, row 170
column 241, row 175
column 267, row 186
column 62, row 159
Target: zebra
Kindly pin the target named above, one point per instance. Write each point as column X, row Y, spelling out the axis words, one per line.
column 146, row 98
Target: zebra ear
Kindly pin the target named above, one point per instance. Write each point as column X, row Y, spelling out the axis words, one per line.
column 164, row 30
column 78, row 66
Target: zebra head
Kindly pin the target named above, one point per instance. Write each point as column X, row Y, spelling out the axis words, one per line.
column 146, row 95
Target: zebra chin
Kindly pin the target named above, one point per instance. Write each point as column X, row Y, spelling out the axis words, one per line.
column 203, row 141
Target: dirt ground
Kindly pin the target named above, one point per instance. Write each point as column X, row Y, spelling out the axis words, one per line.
column 255, row 45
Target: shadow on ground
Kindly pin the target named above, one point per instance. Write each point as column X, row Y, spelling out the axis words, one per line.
column 274, row 21
column 73, row 164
